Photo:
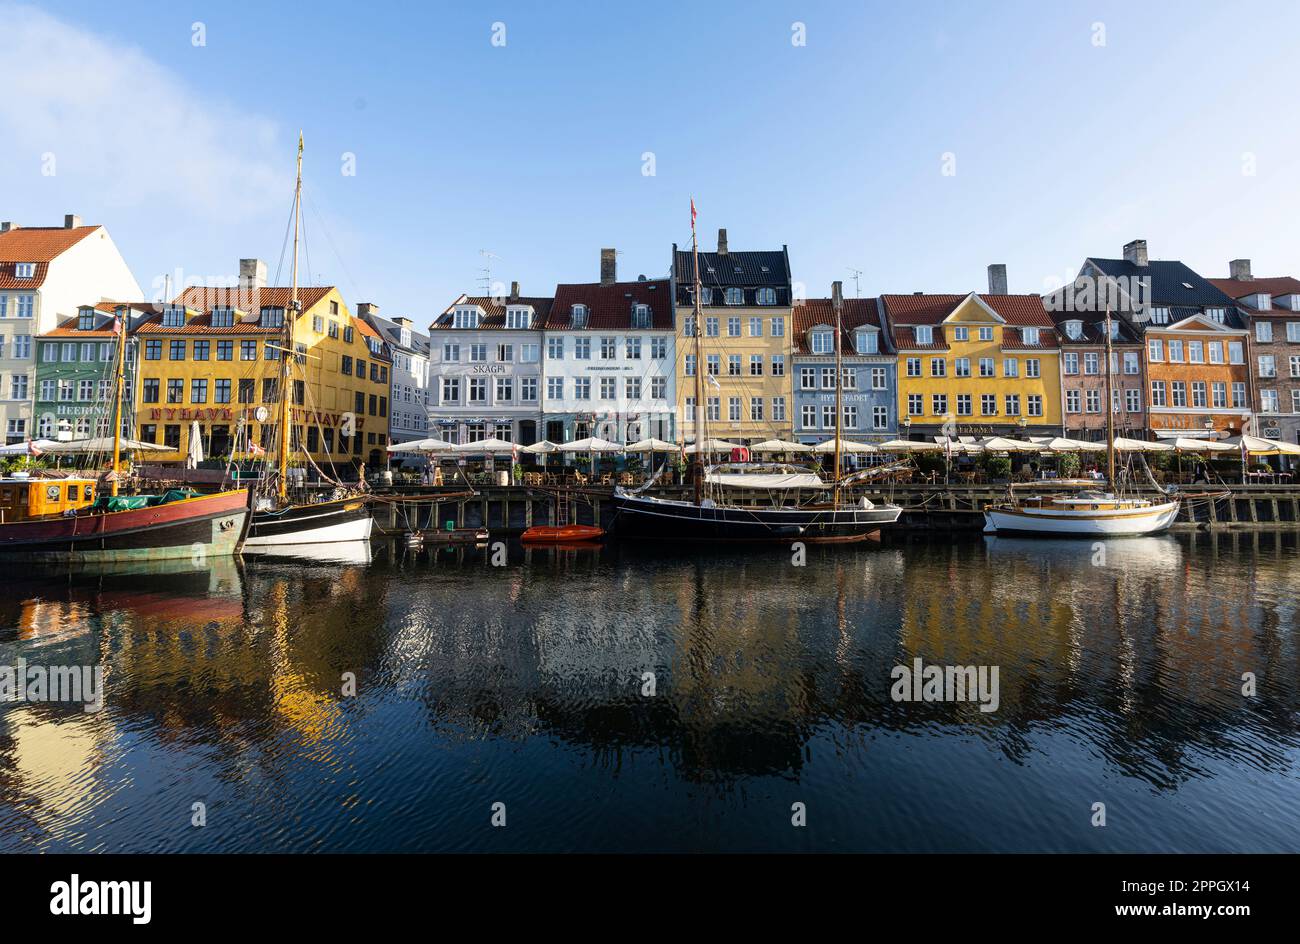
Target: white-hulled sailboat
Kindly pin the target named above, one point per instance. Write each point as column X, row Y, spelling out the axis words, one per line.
column 1090, row 513
column 278, row 524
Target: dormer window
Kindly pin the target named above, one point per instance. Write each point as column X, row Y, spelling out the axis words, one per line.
column 1029, row 335
column 85, row 319
column 1114, row 330
column 1216, row 314
column 579, row 316
column 735, row 296
column 924, row 334
column 641, row 316
column 706, row 295
column 519, row 317
column 272, row 317
column 867, row 342
column 24, row 270
column 823, row 342
column 223, row 317
column 1160, row 316
column 1260, row 301
column 404, row 338
column 766, row 296
column 173, row 316
column 1290, row 302
column 466, row 317
column 1074, row 330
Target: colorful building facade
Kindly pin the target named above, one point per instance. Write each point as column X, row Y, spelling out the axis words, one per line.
column 869, row 397
column 746, row 311
column 975, row 365
column 76, row 372
column 1270, row 308
column 610, row 360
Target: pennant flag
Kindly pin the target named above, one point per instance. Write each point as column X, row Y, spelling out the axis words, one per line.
column 692, row 214
column 33, row 449
column 714, row 380
column 255, row 450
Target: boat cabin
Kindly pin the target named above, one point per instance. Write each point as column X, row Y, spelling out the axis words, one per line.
column 22, row 497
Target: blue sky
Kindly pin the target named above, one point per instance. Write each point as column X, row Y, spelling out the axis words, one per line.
column 1178, row 129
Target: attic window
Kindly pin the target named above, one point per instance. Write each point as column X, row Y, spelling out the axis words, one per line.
column 173, row 316
column 924, row 334
column 1029, row 335
column 765, row 268
column 640, row 316
column 735, row 296
column 766, row 296
column 1160, row 316
column 1216, row 314
column 1187, row 285
column 86, row 319
column 466, row 317
column 24, row 270
column 578, row 316
column 1074, row 329
column 272, row 317
column 223, row 317
column 521, row 317
column 738, row 268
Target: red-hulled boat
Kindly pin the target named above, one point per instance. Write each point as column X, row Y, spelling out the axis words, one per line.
column 157, row 527
column 561, row 534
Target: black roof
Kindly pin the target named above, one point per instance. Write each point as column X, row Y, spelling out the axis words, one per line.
column 742, row 269
column 1175, row 286
column 392, row 333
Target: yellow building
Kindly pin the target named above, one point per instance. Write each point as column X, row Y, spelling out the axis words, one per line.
column 745, row 335
column 212, row 357
column 975, row 365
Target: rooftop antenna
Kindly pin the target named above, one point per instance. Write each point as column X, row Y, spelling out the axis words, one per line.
column 486, row 278
column 857, row 284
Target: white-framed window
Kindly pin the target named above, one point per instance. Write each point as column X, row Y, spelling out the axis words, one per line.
column 765, row 296
column 880, row 417
column 658, row 348
column 879, row 378
column 823, row 342
column 756, row 409
column 734, row 296
column 778, row 365
column 711, row 327
column 755, row 327
column 582, row 388
column 1267, row 364
column 1074, row 330
column 1010, row 367
column 505, row 353
column 778, row 327
column 1293, row 332
column 528, row 353
column 1012, row 402
column 1217, row 314
column 733, row 327
column 632, row 348
column 1175, row 351
column 555, row 348
column 1160, row 315
column 938, row 367
column 641, row 316
column 555, row 388
column 964, row 404
column 1035, row 403
column 988, row 404
column 713, row 364
column 1236, row 353
column 1264, row 332
column 1215, row 349
column 1029, row 335
column 518, row 317
column 1158, row 393
column 1238, row 394
column 828, row 417
column 960, row 333
column 1295, row 365
column 1133, row 400
column 1072, row 401
column 478, row 353
column 867, row 342
column 988, row 368
column 915, row 404
column 1195, row 352
column 1268, row 401
column 1219, row 395
column 463, row 317
column 924, row 334
column 778, row 409
column 808, row 416
column 939, row 404
column 756, row 365
column 733, row 409
column 986, row 334
column 961, row 367
column 807, row 378
column 1032, row 367
column 578, row 316
column 1155, row 349
column 828, row 378
column 850, row 417
column 582, row 349
column 478, row 390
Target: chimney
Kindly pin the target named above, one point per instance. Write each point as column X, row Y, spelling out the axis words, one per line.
column 608, row 266
column 252, row 274
column 402, row 321
column 722, row 242
column 71, row 221
column 1240, row 269
column 514, row 286
column 367, row 308
column 7, row 226
column 997, row 279
column 837, row 295
column 1136, row 252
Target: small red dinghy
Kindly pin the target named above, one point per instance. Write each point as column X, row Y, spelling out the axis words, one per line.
column 565, row 534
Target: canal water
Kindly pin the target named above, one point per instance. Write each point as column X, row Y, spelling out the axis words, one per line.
column 646, row 698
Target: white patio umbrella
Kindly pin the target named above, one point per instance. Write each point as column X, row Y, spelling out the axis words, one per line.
column 1123, row 444
column 25, row 448
column 483, row 447
column 909, row 445
column 846, row 445
column 712, row 445
column 591, row 444
column 1063, row 444
column 780, row 445
column 101, row 444
column 422, row 445
column 1257, row 446
column 543, row 448
column 1201, row 445
column 1003, row 444
column 651, row 445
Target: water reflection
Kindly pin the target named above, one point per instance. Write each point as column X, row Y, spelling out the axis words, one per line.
column 226, row 684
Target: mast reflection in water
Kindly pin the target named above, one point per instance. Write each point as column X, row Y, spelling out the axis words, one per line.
column 1120, row 682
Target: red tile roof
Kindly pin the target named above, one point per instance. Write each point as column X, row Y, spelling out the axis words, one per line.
column 855, row 313
column 1278, row 285
column 610, row 306
column 1020, row 311
column 494, row 310
column 68, row 327
column 39, row 244
column 251, row 301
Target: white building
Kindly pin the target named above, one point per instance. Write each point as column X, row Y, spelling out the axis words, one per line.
column 46, row 273
column 409, row 399
column 485, row 369
column 609, row 360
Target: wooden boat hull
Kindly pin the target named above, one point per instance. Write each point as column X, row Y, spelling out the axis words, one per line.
column 194, row 528
column 562, row 534
column 1104, row 522
column 331, row 522
column 661, row 519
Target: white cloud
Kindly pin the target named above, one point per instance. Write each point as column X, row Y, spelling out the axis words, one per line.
column 127, row 128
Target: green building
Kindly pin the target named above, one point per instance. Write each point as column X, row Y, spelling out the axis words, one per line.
column 75, row 366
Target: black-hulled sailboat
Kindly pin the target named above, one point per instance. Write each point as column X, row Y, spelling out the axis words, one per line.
column 797, row 504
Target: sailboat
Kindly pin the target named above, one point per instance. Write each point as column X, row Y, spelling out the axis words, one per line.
column 782, row 516
column 1090, row 513
column 278, row 522
column 69, row 519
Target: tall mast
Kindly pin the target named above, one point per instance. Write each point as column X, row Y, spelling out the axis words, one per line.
column 120, row 329
column 1110, row 412
column 290, row 317
column 699, row 370
column 837, row 299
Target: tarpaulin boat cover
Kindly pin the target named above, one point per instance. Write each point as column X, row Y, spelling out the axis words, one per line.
column 132, row 502
column 766, row 480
